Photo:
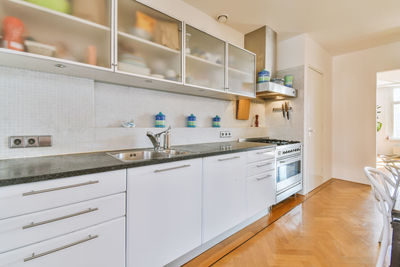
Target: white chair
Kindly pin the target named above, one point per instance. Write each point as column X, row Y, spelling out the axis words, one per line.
column 383, row 190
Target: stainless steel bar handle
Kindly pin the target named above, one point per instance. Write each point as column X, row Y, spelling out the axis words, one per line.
column 33, row 224
column 237, row 157
column 263, row 178
column 264, row 153
column 262, row 165
column 173, row 168
column 33, row 192
column 35, row 256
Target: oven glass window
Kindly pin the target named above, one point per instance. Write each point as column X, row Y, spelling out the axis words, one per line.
column 287, row 171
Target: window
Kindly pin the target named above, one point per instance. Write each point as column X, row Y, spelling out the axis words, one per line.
column 396, row 112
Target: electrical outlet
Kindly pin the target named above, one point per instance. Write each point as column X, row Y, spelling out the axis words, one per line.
column 30, row 141
column 225, row 134
column 16, row 142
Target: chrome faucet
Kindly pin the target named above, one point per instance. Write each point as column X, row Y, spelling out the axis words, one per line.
column 156, row 139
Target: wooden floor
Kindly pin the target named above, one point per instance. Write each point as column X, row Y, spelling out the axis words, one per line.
column 335, row 225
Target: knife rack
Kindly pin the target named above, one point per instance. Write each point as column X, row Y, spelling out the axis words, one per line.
column 286, row 110
column 280, row 109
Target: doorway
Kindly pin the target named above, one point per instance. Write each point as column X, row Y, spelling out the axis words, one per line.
column 388, row 113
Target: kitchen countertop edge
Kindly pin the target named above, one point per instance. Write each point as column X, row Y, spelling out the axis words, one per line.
column 118, row 165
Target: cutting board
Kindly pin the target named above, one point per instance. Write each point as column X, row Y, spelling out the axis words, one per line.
column 243, row 109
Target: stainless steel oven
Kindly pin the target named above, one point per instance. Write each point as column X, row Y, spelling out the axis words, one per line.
column 289, row 177
column 288, row 171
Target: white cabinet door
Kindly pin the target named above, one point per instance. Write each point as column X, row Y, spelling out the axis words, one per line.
column 260, row 192
column 224, row 194
column 163, row 212
column 102, row 245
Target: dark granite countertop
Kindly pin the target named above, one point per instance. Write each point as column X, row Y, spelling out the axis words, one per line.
column 26, row 170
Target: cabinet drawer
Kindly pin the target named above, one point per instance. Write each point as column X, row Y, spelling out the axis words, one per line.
column 260, row 167
column 261, row 154
column 102, row 245
column 32, row 197
column 260, row 192
column 35, row 227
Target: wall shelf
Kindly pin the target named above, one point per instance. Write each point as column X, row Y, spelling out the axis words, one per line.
column 240, row 72
column 203, row 61
column 150, row 46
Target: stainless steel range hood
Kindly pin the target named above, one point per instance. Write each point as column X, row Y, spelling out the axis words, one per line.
column 270, row 90
column 262, row 42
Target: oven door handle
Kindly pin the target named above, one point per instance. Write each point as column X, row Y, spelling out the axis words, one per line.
column 289, row 160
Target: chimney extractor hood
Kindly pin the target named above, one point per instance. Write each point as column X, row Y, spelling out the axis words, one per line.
column 270, row 90
column 262, row 42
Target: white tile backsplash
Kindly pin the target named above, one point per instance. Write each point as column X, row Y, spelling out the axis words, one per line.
column 84, row 116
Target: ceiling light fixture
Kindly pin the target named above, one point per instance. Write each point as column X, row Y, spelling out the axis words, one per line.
column 222, row 18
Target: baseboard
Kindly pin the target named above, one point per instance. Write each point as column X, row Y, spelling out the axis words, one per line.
column 350, row 181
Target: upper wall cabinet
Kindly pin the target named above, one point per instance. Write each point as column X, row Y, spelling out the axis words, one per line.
column 77, row 31
column 149, row 42
column 123, row 42
column 241, row 71
column 205, row 59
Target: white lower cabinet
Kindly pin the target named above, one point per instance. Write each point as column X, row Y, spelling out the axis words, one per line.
column 163, row 212
column 38, row 226
column 102, row 245
column 224, row 194
column 260, row 191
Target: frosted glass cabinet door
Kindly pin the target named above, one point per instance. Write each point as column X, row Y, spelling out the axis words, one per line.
column 241, row 71
column 149, row 42
column 205, row 59
column 72, row 30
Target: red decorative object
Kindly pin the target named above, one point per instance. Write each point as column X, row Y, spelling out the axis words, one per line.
column 12, row 30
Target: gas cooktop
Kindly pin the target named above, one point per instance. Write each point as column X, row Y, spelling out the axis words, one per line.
column 270, row 141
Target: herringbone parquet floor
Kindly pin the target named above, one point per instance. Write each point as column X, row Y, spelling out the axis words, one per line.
column 336, row 226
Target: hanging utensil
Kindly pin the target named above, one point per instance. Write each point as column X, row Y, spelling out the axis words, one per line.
column 287, row 109
column 283, row 111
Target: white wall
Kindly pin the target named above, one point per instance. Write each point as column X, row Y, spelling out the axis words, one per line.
column 291, row 52
column 354, row 103
column 83, row 115
column 279, row 127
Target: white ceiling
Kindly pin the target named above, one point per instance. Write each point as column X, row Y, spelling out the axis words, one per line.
column 340, row 26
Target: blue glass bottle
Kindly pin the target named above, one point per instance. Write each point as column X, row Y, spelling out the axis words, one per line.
column 191, row 121
column 160, row 120
column 216, row 122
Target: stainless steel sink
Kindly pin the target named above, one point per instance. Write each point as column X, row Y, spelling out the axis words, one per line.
column 136, row 155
